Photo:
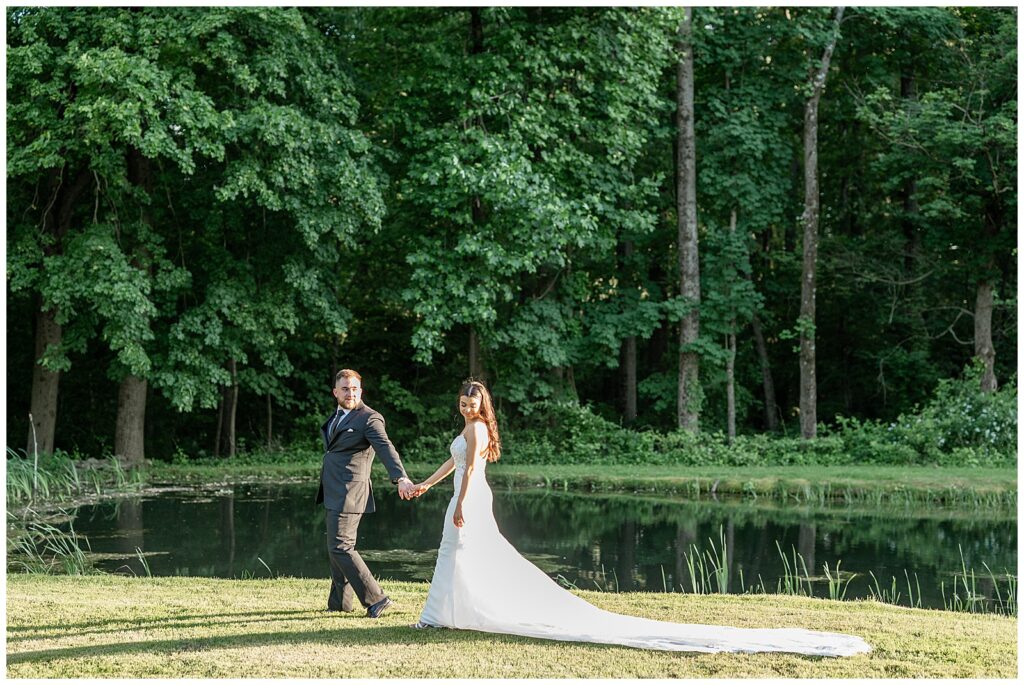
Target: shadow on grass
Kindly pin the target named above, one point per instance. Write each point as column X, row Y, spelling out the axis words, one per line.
column 99, row 627
column 66, row 628
column 379, row 639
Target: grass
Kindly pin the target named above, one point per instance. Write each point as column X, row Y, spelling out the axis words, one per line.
column 115, row 626
column 58, row 478
column 861, row 485
column 799, row 484
column 42, row 548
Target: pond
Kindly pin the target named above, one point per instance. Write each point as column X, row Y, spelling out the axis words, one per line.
column 591, row 541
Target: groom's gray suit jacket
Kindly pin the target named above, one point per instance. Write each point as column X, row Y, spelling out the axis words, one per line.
column 348, row 455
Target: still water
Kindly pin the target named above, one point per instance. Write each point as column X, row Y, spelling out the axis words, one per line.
column 605, row 542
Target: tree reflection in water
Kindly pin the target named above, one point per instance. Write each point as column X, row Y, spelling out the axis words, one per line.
column 636, row 543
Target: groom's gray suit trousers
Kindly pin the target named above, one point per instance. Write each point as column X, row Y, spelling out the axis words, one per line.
column 349, row 575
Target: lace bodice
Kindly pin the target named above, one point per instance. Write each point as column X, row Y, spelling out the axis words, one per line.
column 458, row 451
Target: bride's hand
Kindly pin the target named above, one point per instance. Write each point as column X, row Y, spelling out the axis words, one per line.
column 458, row 519
column 419, row 489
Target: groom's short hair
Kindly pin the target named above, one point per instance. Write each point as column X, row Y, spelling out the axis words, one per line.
column 347, row 373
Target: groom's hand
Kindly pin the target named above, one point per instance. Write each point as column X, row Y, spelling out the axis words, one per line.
column 405, row 488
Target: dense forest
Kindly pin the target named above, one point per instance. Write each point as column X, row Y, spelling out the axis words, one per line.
column 745, row 220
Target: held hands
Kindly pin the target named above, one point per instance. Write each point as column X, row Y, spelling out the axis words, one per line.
column 408, row 490
column 405, row 488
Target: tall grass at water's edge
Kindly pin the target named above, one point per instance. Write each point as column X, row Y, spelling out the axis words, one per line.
column 708, row 572
column 35, row 545
column 45, row 549
column 58, row 477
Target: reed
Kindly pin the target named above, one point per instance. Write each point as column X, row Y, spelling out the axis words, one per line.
column 44, row 549
column 881, row 594
column 837, row 586
column 709, row 570
column 791, row 583
column 568, row 584
column 703, row 570
column 56, row 477
column 973, row 601
column 910, row 590
column 144, row 562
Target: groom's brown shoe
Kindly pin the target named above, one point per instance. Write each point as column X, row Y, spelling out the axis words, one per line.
column 377, row 610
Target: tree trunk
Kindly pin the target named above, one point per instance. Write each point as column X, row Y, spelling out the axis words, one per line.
column 232, row 407
column 629, row 379
column 908, row 90
column 334, row 359
column 730, row 361
column 983, row 346
column 808, row 380
column 270, row 422
column 56, row 222
column 628, row 366
column 771, row 407
column 476, row 369
column 220, row 424
column 687, row 408
column 557, row 383
column 45, row 385
column 129, row 433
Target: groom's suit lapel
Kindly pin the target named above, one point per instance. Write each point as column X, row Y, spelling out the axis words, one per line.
column 348, row 417
column 328, row 439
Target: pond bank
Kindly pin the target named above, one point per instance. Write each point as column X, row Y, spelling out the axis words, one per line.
column 852, row 484
column 112, row 626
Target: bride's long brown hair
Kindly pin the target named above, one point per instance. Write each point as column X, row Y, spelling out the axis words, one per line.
column 474, row 388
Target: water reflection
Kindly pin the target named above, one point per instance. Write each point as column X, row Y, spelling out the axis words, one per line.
column 592, row 541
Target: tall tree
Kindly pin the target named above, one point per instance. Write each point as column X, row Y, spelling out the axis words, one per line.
column 236, row 124
column 689, row 396
column 809, row 220
column 56, row 223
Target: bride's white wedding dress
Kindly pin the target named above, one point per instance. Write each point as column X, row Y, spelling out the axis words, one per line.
column 482, row 583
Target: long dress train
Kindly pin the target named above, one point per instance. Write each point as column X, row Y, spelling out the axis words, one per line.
column 482, row 583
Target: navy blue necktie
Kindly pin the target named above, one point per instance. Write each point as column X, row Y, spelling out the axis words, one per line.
column 334, row 423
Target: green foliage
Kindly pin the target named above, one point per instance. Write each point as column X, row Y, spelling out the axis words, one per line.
column 959, row 425
column 365, row 187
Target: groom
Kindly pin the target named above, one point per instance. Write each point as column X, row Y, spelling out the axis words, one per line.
column 351, row 436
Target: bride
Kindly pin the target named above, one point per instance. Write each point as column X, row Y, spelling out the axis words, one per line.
column 482, row 583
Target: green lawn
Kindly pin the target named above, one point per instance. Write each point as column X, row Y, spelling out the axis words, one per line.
column 114, row 626
column 771, row 479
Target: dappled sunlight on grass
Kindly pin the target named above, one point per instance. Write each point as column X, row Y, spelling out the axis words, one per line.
column 110, row 626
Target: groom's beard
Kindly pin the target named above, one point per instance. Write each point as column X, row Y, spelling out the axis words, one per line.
column 349, row 404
